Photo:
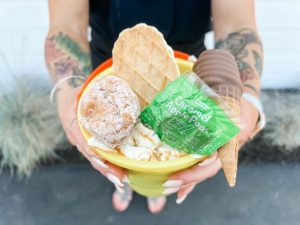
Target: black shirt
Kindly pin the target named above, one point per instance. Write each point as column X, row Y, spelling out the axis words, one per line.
column 183, row 23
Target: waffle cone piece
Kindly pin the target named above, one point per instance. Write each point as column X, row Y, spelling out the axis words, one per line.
column 143, row 59
column 218, row 69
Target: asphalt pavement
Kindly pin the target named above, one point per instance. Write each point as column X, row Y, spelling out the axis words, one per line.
column 72, row 194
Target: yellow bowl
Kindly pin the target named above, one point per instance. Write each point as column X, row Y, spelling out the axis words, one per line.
column 146, row 177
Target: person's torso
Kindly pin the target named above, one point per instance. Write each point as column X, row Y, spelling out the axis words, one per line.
column 183, row 23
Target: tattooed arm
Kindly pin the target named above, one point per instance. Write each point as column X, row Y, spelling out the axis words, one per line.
column 245, row 46
column 67, row 53
column 235, row 31
column 66, row 48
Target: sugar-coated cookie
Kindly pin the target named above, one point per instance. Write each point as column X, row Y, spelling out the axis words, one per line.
column 109, row 110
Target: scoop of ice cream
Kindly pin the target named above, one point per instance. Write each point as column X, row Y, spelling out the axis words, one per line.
column 129, row 149
column 218, row 69
column 144, row 144
column 109, row 110
column 141, row 144
column 145, row 137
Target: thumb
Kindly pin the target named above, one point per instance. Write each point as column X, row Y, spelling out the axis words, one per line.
column 68, row 131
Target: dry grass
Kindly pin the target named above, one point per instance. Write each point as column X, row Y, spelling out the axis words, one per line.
column 29, row 127
column 283, row 119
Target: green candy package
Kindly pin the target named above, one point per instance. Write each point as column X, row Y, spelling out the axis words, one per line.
column 188, row 116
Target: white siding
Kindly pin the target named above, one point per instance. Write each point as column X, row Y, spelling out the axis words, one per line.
column 279, row 27
column 278, row 23
column 23, row 26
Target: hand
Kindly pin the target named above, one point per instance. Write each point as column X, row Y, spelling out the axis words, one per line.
column 248, row 117
column 66, row 99
column 184, row 182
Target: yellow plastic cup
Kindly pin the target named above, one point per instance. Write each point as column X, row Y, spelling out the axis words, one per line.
column 146, row 177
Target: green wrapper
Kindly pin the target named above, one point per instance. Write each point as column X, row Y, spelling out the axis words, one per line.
column 187, row 115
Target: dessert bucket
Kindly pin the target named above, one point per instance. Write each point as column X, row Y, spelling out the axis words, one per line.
column 145, row 177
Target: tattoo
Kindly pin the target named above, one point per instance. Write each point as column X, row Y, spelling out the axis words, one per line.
column 237, row 44
column 251, row 87
column 64, row 57
column 258, row 62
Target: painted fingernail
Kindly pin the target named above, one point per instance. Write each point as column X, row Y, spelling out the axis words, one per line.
column 181, row 199
column 169, row 191
column 172, row 183
column 197, row 156
column 207, row 161
column 120, row 189
column 99, row 163
column 114, row 179
column 125, row 180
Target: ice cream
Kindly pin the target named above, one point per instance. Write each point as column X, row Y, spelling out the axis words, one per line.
column 144, row 144
column 218, row 69
column 143, row 60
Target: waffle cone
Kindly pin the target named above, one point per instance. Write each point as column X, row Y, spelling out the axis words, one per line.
column 229, row 152
column 143, row 59
column 218, row 69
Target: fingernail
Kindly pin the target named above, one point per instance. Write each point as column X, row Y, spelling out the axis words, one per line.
column 114, row 179
column 172, row 183
column 181, row 199
column 169, row 191
column 120, row 189
column 78, row 147
column 99, row 163
column 125, row 180
column 197, row 156
column 207, row 162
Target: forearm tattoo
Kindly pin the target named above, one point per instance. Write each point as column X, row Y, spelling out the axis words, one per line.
column 258, row 62
column 241, row 44
column 64, row 57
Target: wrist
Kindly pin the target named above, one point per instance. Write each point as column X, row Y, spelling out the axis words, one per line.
column 62, row 87
column 251, row 90
column 256, row 103
column 252, row 87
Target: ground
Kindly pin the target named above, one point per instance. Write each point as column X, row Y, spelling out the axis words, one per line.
column 76, row 194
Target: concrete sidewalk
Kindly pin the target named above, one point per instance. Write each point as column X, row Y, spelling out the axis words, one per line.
column 78, row 195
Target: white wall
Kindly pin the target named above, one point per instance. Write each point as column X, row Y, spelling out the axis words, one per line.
column 23, row 26
column 278, row 22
